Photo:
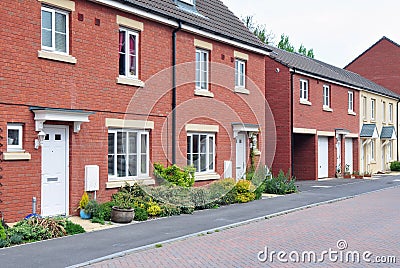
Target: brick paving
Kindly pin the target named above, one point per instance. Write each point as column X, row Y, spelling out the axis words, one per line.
column 369, row 222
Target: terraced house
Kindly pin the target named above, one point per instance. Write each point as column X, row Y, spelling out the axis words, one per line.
column 338, row 121
column 90, row 97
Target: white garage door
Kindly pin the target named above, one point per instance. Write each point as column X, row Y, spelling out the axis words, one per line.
column 323, row 157
column 349, row 154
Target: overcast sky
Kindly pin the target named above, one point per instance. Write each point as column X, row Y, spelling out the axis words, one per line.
column 337, row 30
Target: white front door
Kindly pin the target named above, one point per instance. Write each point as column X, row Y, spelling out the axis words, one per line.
column 54, row 198
column 323, row 164
column 240, row 156
column 339, row 155
column 349, row 154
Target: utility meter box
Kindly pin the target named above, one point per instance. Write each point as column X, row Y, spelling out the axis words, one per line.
column 92, row 175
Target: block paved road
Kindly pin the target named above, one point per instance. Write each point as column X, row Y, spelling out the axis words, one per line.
column 80, row 249
column 369, row 222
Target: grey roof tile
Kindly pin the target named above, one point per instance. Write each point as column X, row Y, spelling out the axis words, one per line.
column 325, row 70
column 367, row 130
column 213, row 17
column 387, row 132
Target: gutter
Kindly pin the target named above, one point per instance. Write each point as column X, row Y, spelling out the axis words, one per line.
column 173, row 107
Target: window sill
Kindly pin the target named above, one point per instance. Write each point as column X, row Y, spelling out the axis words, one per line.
column 204, row 93
column 305, row 102
column 327, row 109
column 119, row 184
column 351, row 113
column 206, row 176
column 56, row 56
column 242, row 90
column 373, row 121
column 390, row 123
column 14, row 156
column 372, row 162
column 130, row 82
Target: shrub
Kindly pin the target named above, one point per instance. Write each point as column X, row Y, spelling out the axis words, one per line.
column 154, row 209
column 169, row 210
column 123, row 199
column 222, row 191
column 92, row 208
column 175, row 175
column 29, row 232
column 395, row 166
column 105, row 210
column 3, row 235
column 73, row 228
column 4, row 243
column 187, row 210
column 201, row 198
column 84, row 200
column 282, row 184
column 140, row 214
column 244, row 191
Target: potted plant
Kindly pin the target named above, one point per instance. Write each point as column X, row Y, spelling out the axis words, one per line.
column 122, row 211
column 347, row 174
column 82, row 205
column 357, row 174
column 367, row 174
column 338, row 171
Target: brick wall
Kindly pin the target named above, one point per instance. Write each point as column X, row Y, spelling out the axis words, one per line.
column 380, row 64
column 90, row 84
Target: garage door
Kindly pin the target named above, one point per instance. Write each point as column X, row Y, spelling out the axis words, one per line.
column 349, row 154
column 323, row 157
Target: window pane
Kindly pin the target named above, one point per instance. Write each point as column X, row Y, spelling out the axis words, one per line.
column 132, row 142
column 211, row 161
column 143, row 164
column 46, row 38
column 61, row 23
column 122, row 50
column 46, row 20
column 132, row 65
column 188, row 144
column 121, row 166
column 132, row 165
column 61, row 42
column 111, row 165
column 13, row 137
column 203, row 162
column 203, row 144
column 196, row 139
column 196, row 162
column 144, row 143
column 121, row 142
column 111, row 146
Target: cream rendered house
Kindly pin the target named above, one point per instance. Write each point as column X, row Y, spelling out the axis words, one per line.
column 378, row 131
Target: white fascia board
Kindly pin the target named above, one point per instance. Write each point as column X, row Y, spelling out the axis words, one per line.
column 174, row 23
column 326, row 80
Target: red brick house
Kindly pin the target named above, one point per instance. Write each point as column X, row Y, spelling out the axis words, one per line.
column 380, row 63
column 90, row 100
column 316, row 114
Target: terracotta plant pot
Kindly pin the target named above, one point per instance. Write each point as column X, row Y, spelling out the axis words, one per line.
column 120, row 215
column 359, row 176
column 347, row 176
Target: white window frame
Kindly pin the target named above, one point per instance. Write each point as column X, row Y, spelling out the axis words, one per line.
column 240, row 78
column 53, row 11
column 350, row 99
column 304, row 92
column 364, row 104
column 326, row 96
column 384, row 111
column 200, row 72
column 139, row 174
column 19, row 146
column 128, row 33
column 390, row 112
column 373, row 109
column 189, row 155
